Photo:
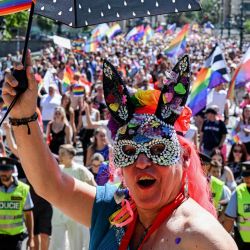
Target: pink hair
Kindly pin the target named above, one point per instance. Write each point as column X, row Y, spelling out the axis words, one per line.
column 198, row 187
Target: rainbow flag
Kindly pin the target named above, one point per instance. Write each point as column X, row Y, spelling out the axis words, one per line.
column 12, row 6
column 78, row 90
column 135, row 34
column 198, row 97
column 206, row 80
column 99, row 32
column 241, row 75
column 148, row 34
column 67, row 78
column 234, row 138
column 91, row 46
column 114, row 31
column 178, row 44
column 160, row 29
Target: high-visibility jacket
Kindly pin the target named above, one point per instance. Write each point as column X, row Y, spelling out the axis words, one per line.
column 243, row 206
column 11, row 210
column 217, row 190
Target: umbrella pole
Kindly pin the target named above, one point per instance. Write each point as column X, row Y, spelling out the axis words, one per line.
column 20, row 75
column 28, row 33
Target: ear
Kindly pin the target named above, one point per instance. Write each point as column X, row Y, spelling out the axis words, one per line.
column 116, row 95
column 175, row 92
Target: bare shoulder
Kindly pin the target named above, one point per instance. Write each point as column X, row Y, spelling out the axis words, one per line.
column 202, row 230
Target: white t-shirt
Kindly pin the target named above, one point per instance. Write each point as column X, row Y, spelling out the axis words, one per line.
column 79, row 172
column 48, row 105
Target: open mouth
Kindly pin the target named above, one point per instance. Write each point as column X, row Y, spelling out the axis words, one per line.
column 146, row 181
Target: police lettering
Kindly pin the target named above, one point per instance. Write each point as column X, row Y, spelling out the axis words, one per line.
column 9, row 205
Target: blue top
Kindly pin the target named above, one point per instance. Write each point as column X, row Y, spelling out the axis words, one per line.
column 102, row 235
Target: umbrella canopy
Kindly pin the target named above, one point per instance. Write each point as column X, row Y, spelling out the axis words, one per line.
column 79, row 13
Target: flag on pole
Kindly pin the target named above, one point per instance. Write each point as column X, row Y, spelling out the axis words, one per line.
column 135, row 34
column 12, row 6
column 99, row 32
column 241, row 75
column 91, row 46
column 171, row 29
column 114, row 31
column 178, row 44
column 160, row 29
column 211, row 75
column 198, row 97
column 148, row 34
column 67, row 78
column 216, row 62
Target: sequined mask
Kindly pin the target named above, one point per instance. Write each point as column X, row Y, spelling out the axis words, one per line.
column 144, row 121
column 146, row 134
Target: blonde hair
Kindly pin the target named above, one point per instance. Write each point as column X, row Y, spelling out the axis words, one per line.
column 63, row 113
column 68, row 148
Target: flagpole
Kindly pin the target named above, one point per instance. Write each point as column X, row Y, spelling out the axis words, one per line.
column 28, row 33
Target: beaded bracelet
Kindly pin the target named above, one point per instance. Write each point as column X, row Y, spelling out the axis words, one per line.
column 24, row 121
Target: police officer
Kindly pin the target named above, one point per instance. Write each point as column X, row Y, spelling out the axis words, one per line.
column 238, row 210
column 15, row 208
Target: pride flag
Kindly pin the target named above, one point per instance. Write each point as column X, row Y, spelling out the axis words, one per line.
column 12, row 6
column 171, row 29
column 78, row 90
column 114, row 31
column 241, row 75
column 91, row 46
column 148, row 34
column 160, row 29
column 198, row 96
column 67, row 78
column 99, row 32
column 135, row 34
column 178, row 44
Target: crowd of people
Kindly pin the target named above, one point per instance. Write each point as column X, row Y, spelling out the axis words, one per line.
column 74, row 123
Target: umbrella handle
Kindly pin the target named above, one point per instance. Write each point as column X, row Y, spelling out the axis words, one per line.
column 20, row 75
column 28, row 33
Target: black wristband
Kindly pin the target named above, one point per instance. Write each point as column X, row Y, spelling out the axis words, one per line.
column 23, row 121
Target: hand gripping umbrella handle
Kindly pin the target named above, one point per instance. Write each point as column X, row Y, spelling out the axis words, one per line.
column 20, row 75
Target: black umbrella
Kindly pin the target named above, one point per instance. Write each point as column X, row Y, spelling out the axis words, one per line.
column 79, row 13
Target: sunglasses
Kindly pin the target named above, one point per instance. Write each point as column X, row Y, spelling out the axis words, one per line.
column 237, row 151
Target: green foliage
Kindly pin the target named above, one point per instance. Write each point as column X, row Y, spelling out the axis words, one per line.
column 210, row 12
column 45, row 24
column 15, row 22
column 247, row 26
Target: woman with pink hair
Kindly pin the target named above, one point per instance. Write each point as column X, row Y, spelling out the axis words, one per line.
column 163, row 202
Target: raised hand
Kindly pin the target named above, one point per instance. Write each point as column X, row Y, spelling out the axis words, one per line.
column 26, row 104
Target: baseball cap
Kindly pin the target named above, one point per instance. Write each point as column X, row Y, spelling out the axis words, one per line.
column 205, row 159
column 245, row 168
column 211, row 110
column 7, row 164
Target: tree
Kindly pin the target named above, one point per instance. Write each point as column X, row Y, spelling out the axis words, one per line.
column 14, row 22
column 247, row 26
column 45, row 24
